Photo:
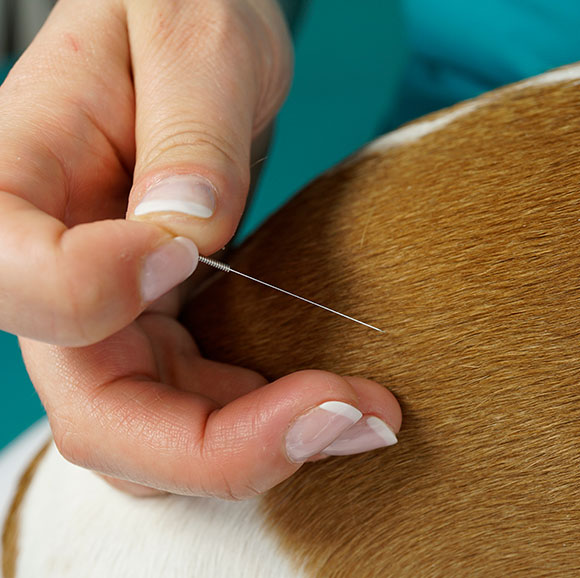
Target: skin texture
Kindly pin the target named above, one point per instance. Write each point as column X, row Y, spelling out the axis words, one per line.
column 111, row 97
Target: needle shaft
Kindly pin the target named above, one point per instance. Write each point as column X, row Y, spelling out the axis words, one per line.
column 225, row 267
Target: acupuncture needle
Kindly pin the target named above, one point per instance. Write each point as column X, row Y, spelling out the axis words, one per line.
column 227, row 269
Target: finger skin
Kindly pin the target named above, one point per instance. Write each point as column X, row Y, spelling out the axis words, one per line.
column 136, row 490
column 109, row 412
column 70, row 286
column 142, row 406
column 70, row 265
column 375, row 399
column 209, row 77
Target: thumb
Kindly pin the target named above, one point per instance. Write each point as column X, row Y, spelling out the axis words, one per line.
column 209, row 77
column 77, row 286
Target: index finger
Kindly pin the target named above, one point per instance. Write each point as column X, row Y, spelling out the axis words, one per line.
column 68, row 273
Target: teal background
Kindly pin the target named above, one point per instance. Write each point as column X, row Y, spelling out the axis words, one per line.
column 459, row 49
column 19, row 404
column 348, row 67
column 363, row 68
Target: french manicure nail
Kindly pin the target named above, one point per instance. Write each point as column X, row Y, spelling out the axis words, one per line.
column 368, row 434
column 167, row 267
column 187, row 194
column 316, row 429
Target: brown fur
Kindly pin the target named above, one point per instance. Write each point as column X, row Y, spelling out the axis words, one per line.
column 12, row 522
column 465, row 248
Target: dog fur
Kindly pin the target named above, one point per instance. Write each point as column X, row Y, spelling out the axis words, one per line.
column 459, row 236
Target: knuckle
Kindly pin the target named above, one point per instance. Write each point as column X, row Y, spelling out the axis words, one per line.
column 226, row 492
column 132, row 488
column 80, row 291
column 221, row 480
column 205, row 28
column 217, row 24
column 235, row 490
column 249, row 36
column 71, row 317
column 179, row 140
column 69, row 442
column 245, row 491
column 275, row 57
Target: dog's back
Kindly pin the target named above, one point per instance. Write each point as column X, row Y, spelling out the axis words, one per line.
column 459, row 235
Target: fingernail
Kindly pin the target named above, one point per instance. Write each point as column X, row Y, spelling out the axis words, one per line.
column 167, row 267
column 188, row 194
column 316, row 429
column 368, row 434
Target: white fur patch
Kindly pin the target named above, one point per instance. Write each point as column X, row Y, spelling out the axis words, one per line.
column 14, row 460
column 413, row 132
column 565, row 74
column 74, row 524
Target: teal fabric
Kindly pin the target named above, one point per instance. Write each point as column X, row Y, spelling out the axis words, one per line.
column 349, row 61
column 460, row 49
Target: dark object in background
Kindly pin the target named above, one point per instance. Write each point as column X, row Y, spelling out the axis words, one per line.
column 20, row 20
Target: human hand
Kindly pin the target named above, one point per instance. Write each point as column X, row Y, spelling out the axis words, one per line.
column 136, row 103
column 110, row 98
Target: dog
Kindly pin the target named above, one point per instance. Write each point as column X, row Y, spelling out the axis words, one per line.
column 458, row 235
